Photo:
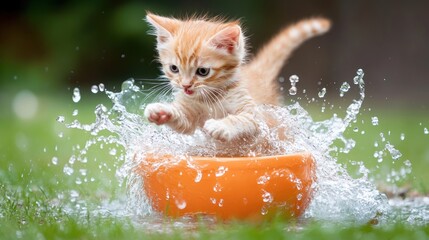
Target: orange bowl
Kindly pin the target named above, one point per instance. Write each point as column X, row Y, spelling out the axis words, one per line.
column 229, row 188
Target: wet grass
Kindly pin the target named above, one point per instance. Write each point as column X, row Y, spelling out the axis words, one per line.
column 35, row 192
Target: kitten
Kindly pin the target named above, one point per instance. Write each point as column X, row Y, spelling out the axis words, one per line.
column 217, row 90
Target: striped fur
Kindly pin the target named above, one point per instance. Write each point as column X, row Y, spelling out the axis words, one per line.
column 223, row 101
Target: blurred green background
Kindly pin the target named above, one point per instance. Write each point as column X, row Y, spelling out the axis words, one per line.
column 47, row 48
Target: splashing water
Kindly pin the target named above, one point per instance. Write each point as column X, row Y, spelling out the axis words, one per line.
column 344, row 88
column 293, row 80
column 76, row 95
column 322, row 93
column 338, row 196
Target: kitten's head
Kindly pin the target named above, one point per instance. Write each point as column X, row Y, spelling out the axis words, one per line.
column 197, row 55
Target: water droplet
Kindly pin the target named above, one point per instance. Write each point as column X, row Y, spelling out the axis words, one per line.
column 402, row 136
column 299, row 197
column 128, row 84
column 112, row 151
column 425, row 131
column 122, row 55
column 83, row 172
column 94, row 89
column 68, row 170
column 263, row 179
column 383, row 139
column 198, row 177
column 393, row 151
column 344, row 88
column 264, row 210
column 213, row 200
column 359, row 72
column 72, row 160
column 282, row 89
column 61, row 119
column 54, row 160
column 217, row 187
column 180, row 203
column 75, row 112
column 322, row 93
column 292, row 90
column 76, row 95
column 294, row 79
column 78, row 181
column 374, row 121
column 220, row 203
column 221, row 171
column 77, row 48
column 281, row 79
column 267, row 197
column 74, row 194
column 101, row 87
column 407, row 163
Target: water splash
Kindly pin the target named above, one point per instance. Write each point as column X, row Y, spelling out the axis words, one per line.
column 76, row 95
column 374, row 121
column 322, row 93
column 293, row 80
column 344, row 88
column 94, row 89
column 338, row 196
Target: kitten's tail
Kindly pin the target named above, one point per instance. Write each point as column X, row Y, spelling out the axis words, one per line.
column 261, row 73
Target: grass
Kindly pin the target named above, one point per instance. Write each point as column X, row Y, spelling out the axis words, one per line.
column 35, row 193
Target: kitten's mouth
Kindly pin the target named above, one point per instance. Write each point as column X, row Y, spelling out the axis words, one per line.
column 188, row 91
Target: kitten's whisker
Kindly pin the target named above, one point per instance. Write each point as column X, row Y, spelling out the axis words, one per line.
column 151, row 79
column 216, row 101
column 219, row 99
column 210, row 101
column 157, row 91
column 154, row 90
column 204, row 97
column 154, row 87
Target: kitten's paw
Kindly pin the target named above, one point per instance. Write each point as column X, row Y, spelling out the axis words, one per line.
column 158, row 113
column 218, row 130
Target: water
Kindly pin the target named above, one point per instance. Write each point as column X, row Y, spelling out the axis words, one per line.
column 338, row 198
column 293, row 80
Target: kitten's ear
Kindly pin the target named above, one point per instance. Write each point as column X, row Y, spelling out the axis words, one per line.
column 164, row 27
column 227, row 39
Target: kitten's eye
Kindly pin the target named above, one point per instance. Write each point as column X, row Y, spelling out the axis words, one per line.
column 174, row 69
column 203, row 72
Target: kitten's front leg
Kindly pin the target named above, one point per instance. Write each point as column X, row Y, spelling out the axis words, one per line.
column 232, row 127
column 158, row 113
column 172, row 115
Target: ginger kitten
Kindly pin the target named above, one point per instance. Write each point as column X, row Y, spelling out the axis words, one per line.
column 217, row 90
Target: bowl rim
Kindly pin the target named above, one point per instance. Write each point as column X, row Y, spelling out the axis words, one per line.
column 209, row 163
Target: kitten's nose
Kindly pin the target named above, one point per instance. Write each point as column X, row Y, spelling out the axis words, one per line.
column 187, row 90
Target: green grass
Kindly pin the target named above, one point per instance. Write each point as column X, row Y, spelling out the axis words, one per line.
column 31, row 185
